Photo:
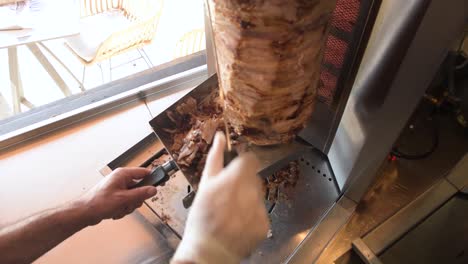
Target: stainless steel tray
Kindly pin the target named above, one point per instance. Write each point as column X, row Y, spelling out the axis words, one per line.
column 292, row 219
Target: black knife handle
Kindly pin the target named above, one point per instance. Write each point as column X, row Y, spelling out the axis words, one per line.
column 158, row 176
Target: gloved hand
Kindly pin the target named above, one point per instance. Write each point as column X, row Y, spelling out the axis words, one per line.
column 228, row 217
column 112, row 198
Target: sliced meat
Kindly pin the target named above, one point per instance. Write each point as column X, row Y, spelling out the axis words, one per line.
column 284, row 179
column 193, row 136
column 192, row 156
column 159, row 161
column 209, row 127
column 187, row 150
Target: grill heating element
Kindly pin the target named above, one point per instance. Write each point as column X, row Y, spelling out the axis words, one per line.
column 341, row 34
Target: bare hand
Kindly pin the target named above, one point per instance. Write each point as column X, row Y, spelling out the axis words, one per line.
column 228, row 217
column 112, row 198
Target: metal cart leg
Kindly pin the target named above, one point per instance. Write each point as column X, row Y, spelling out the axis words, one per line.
column 34, row 48
column 15, row 79
column 82, row 88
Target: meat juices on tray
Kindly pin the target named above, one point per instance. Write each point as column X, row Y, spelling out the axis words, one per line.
column 269, row 54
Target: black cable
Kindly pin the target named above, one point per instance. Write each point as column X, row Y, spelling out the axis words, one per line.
column 435, row 143
column 462, row 42
column 461, row 65
column 452, row 57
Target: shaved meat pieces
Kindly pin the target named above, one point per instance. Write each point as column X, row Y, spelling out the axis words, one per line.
column 159, row 161
column 284, row 179
column 287, row 176
column 178, row 141
column 187, row 153
column 191, row 140
column 209, row 127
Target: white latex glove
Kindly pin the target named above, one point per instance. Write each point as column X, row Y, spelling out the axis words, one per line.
column 228, row 218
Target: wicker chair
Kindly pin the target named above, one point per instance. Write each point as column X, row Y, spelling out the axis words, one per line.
column 130, row 24
column 190, row 43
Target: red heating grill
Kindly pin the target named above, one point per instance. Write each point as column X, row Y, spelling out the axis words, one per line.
column 343, row 23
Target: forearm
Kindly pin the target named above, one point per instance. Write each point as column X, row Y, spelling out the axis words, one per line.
column 112, row 197
column 30, row 238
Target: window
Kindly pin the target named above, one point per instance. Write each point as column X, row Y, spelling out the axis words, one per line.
column 65, row 54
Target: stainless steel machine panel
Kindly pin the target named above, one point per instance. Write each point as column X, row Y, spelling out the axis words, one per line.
column 400, row 61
